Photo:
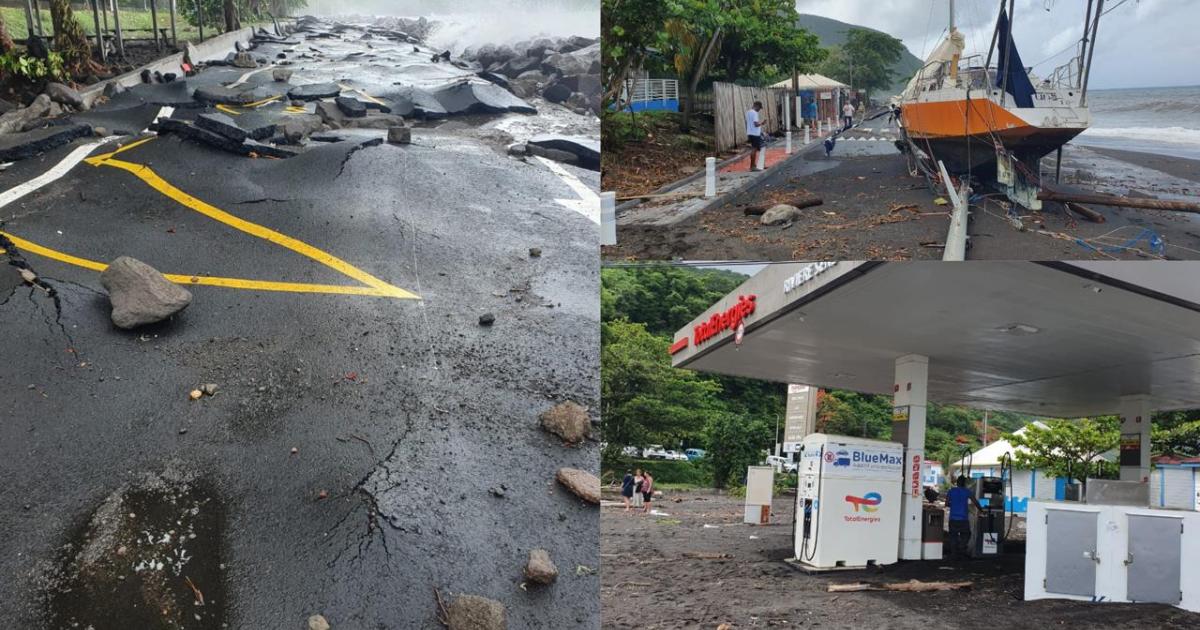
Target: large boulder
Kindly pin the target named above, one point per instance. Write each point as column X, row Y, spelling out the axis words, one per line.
column 557, row 92
column 17, row 120
column 64, row 95
column 140, row 294
column 472, row 612
column 515, row 66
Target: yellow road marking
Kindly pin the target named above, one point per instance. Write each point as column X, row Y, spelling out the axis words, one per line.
column 374, row 286
column 238, row 111
column 364, row 94
column 228, row 110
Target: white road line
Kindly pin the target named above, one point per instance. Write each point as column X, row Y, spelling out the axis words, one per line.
column 588, row 203
column 246, row 77
column 54, row 174
column 163, row 112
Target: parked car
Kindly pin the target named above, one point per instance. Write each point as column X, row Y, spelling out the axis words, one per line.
column 631, row 451
column 677, row 456
column 654, row 451
column 781, row 463
column 694, row 454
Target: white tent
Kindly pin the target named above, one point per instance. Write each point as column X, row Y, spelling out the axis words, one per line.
column 989, row 456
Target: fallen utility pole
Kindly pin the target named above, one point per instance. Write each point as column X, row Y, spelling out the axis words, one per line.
column 912, row 586
column 1085, row 212
column 799, row 203
column 1114, row 200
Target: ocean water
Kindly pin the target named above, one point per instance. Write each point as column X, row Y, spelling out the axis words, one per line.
column 1165, row 121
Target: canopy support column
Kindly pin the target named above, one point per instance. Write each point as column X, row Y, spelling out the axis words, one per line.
column 910, row 399
column 1134, row 455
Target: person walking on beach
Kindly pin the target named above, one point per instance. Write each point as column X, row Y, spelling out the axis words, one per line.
column 627, row 489
column 754, row 133
column 638, row 480
column 647, row 490
column 848, row 115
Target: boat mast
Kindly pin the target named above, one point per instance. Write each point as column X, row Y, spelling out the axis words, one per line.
column 951, row 16
column 1087, row 23
column 1087, row 73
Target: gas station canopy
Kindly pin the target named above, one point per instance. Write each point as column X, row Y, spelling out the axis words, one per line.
column 1050, row 339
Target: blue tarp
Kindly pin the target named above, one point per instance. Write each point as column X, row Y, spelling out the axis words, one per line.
column 1018, row 84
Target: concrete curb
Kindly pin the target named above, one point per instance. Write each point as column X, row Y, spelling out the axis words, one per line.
column 215, row 48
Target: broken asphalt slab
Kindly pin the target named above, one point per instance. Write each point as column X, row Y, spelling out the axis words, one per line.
column 24, row 145
column 314, row 91
column 586, row 151
column 470, row 98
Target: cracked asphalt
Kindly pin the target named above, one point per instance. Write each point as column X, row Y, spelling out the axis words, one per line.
column 406, row 413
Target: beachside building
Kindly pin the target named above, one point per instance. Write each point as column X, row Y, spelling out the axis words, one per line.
column 1175, row 482
column 826, row 92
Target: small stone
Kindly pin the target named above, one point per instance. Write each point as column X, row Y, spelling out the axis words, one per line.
column 317, row 622
column 518, row 149
column 140, row 294
column 295, row 450
column 400, row 135
column 244, row 60
column 209, row 389
column 497, row 491
column 535, row 252
column 487, row 319
column 283, row 75
column 540, row 568
column 195, row 394
column 324, row 494
column 183, row 430
column 100, row 131
column 567, row 420
column 472, row 612
column 780, row 214
column 584, row 484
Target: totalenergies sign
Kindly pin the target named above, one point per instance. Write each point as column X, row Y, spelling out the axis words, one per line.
column 728, row 320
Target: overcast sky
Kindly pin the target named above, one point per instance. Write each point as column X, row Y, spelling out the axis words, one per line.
column 1142, row 42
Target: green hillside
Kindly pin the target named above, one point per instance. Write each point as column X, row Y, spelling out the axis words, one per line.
column 833, row 33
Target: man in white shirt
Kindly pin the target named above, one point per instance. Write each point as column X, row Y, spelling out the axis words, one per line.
column 754, row 133
column 848, row 115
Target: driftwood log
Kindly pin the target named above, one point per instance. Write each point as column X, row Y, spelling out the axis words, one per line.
column 1114, row 200
column 757, row 210
column 1084, row 211
column 912, row 586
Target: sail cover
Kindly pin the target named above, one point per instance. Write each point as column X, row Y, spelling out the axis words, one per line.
column 946, row 53
column 1018, row 85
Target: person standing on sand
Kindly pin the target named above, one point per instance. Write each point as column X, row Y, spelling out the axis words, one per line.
column 627, row 489
column 638, row 480
column 647, row 490
column 754, row 133
column 848, row 115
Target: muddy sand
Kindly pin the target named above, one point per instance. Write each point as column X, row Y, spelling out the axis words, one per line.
column 873, row 209
column 649, row 581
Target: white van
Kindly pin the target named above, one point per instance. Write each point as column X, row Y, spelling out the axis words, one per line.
column 780, row 464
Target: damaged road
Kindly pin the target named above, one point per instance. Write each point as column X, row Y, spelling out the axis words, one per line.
column 344, row 462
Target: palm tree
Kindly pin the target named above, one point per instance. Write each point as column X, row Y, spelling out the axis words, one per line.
column 69, row 39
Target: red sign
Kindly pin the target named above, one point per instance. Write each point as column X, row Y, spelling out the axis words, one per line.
column 679, row 345
column 720, row 322
column 916, row 476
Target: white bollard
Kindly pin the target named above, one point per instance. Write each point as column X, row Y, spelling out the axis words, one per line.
column 762, row 158
column 608, row 218
column 806, row 138
column 710, row 177
column 787, row 144
column 820, row 128
column 787, row 112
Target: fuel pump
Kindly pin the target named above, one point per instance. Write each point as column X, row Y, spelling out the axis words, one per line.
column 990, row 525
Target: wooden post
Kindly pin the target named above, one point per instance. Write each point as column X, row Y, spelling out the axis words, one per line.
column 199, row 20
column 1058, row 165
column 37, row 16
column 1113, row 200
column 174, row 35
column 117, row 27
column 154, row 23
column 99, row 33
column 29, row 17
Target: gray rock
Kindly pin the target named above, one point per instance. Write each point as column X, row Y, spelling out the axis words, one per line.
column 314, row 91
column 540, row 568
column 584, row 484
column 317, row 622
column 299, row 127
column 579, row 104
column 515, row 66
column 472, row 612
column 100, row 131
column 400, row 135
column 331, row 115
column 780, row 214
column 64, row 95
column 282, row 75
column 140, row 294
column 518, row 150
column 487, row 319
column 16, row 120
column 244, row 60
column 567, row 420
column 7, row 106
column 112, row 88
column 557, row 92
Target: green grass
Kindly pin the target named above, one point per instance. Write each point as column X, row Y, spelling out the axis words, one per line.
column 134, row 24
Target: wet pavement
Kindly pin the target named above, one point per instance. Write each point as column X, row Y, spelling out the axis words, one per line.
column 362, row 416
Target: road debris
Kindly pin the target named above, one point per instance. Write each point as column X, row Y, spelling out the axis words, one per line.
column 568, row 421
column 318, row 622
column 540, row 568
column 584, row 484
column 487, row 319
column 912, row 586
column 140, row 295
column 401, row 134
column 472, row 612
